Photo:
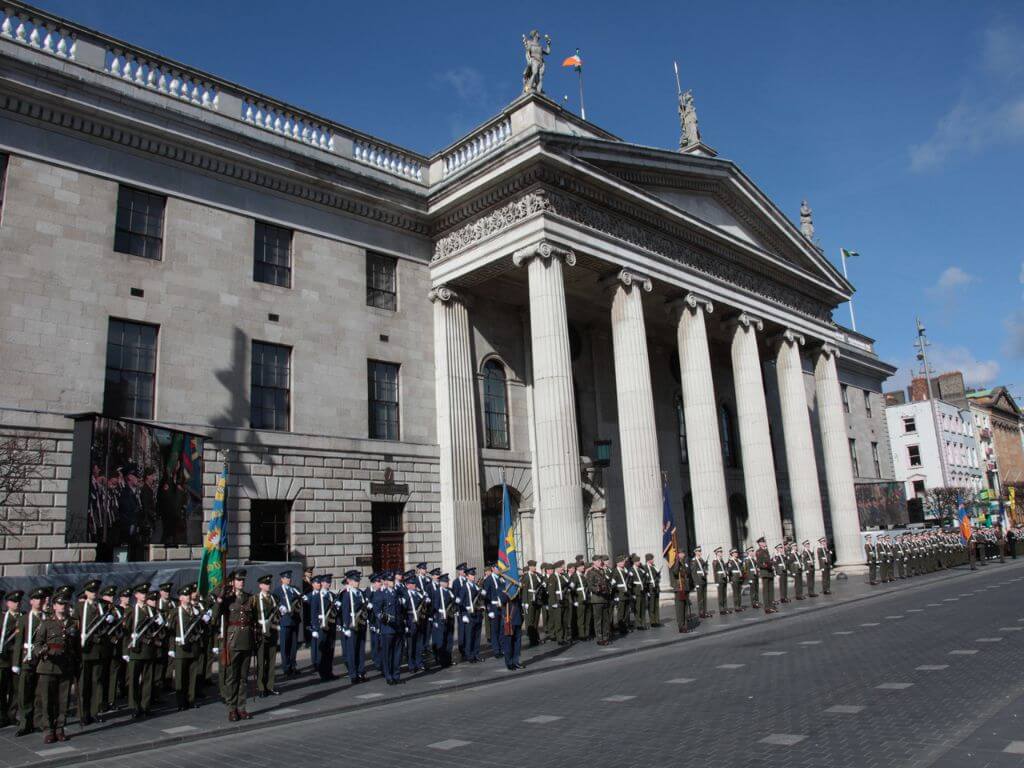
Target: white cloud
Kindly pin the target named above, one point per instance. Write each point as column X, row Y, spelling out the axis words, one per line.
column 977, row 373
column 990, row 113
column 952, row 277
column 467, row 82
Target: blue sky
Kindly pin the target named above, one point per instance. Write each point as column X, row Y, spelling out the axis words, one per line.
column 902, row 123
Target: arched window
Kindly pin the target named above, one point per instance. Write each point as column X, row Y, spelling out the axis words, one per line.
column 681, row 428
column 495, row 405
column 729, row 449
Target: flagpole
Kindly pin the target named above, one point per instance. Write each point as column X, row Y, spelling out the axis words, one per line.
column 853, row 320
column 579, row 71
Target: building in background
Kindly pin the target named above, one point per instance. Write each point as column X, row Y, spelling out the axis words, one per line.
column 997, row 418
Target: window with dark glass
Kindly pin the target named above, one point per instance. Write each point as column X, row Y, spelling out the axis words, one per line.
column 3, row 182
column 867, row 403
column 130, row 383
column 853, row 458
column 681, row 429
column 914, row 455
column 845, row 391
column 270, row 405
column 273, row 255
column 495, row 405
column 382, row 379
column 381, row 281
column 729, row 447
column 139, row 229
column 875, row 460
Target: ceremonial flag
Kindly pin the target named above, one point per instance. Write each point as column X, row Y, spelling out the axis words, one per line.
column 215, row 546
column 508, row 558
column 848, row 254
column 1012, row 492
column 669, row 545
column 965, row 520
column 574, row 61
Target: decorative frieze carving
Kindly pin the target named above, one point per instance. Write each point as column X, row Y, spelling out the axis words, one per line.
column 497, row 221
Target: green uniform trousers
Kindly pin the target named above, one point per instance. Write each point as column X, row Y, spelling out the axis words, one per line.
column 54, row 694
column 602, row 622
column 767, row 591
column 28, row 682
column 236, row 673
column 140, row 685
column 186, row 676
column 266, row 664
column 682, row 611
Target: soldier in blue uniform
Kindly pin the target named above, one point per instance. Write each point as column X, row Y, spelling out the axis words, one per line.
column 417, row 614
column 353, row 627
column 389, row 606
column 291, row 606
column 471, row 617
column 443, row 621
column 323, row 616
column 510, row 624
column 372, row 623
column 458, row 586
column 492, row 588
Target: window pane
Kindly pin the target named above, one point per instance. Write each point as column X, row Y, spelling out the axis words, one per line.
column 495, row 406
column 271, row 381
column 381, row 281
column 130, row 378
column 272, row 262
column 382, row 389
column 140, row 223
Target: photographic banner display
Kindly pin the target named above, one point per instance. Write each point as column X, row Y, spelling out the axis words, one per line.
column 134, row 484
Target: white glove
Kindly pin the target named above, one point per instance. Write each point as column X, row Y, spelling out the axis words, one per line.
column 458, row 601
column 171, row 654
column 207, row 616
column 284, row 611
column 575, row 604
column 110, row 618
column 465, row 619
column 490, row 614
column 16, row 670
column 316, row 635
column 159, row 620
column 346, row 632
column 125, row 658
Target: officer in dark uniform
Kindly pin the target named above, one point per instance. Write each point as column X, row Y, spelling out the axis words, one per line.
column 720, row 570
column 750, row 576
column 307, row 589
column 373, row 625
column 323, row 616
column 766, row 572
column 353, row 626
column 471, row 616
column 234, row 605
column 291, row 607
column 417, row 618
column 443, row 621
column 533, row 592
column 510, row 620
column 390, row 608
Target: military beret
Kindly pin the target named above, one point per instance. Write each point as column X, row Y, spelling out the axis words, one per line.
column 619, row 558
column 579, row 558
column 167, row 586
column 605, row 557
column 636, row 558
column 15, row 596
column 265, row 579
column 356, row 575
column 595, row 558
column 93, row 585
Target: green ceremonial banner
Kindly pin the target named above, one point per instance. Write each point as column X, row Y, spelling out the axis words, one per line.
column 215, row 546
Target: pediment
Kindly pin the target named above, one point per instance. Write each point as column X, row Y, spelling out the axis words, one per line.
column 708, row 208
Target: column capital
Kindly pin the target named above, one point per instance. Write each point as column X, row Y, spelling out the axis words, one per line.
column 628, row 278
column 543, row 249
column 690, row 302
column 827, row 349
column 445, row 293
column 789, row 336
column 746, row 320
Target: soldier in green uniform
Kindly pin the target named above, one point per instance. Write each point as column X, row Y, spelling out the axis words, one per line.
column 533, row 592
column 698, row 581
column 117, row 675
column 720, row 573
column 599, row 592
column 807, row 563
column 163, row 670
column 110, row 621
column 10, row 641
column 55, row 652
column 234, row 606
column 795, row 568
column 680, row 573
column 92, row 617
column 640, row 588
column 142, row 630
column 654, row 594
column 734, row 568
column 23, row 664
column 267, row 629
column 871, row 556
column 580, row 602
column 751, row 578
column 553, row 608
column 185, row 638
column 765, row 572
column 781, row 573
column 619, row 578
column 824, row 557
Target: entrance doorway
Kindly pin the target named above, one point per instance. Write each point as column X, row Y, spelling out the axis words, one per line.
column 490, row 513
column 388, row 536
column 270, row 523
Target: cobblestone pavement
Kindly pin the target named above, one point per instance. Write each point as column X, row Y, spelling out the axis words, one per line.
column 917, row 673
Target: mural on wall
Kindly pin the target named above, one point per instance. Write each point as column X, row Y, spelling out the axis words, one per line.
column 881, row 504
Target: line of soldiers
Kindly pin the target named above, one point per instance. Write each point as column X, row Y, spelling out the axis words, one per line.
column 757, row 569
column 913, row 554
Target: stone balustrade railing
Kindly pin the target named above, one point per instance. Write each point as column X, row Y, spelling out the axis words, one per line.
column 151, row 73
column 287, row 123
column 387, row 159
column 36, row 31
column 476, row 146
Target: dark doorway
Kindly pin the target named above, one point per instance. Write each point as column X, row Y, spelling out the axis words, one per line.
column 738, row 521
column 691, row 529
column 490, row 514
column 269, row 527
column 388, row 537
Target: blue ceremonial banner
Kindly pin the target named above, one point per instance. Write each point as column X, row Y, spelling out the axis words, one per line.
column 669, row 545
column 508, row 558
column 215, row 547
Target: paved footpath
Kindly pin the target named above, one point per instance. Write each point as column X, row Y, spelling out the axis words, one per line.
column 920, row 672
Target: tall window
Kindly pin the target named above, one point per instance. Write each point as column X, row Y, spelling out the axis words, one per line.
column 270, row 407
column 495, row 405
column 139, row 229
column 853, row 458
column 909, row 425
column 681, row 429
column 381, row 281
column 729, row 448
column 382, row 379
column 845, row 391
column 875, row 460
column 914, row 454
column 131, row 370
column 3, row 182
column 272, row 262
column 867, row 403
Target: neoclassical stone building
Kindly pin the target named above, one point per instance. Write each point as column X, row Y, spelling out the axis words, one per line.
column 378, row 338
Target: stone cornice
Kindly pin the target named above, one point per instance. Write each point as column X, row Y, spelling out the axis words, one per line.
column 109, row 131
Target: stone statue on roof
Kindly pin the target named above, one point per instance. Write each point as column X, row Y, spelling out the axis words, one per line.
column 690, row 135
column 806, row 222
column 533, row 75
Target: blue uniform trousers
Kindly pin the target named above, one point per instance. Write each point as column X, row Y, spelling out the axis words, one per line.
column 289, row 647
column 391, row 655
column 354, row 649
column 511, row 645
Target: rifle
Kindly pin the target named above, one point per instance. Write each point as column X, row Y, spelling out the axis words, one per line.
column 138, row 633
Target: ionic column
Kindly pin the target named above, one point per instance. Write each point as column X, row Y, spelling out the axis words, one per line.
column 462, row 538
column 558, row 456
column 526, row 532
column 842, row 499
column 755, row 440
column 801, row 466
column 641, row 469
column 700, row 409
